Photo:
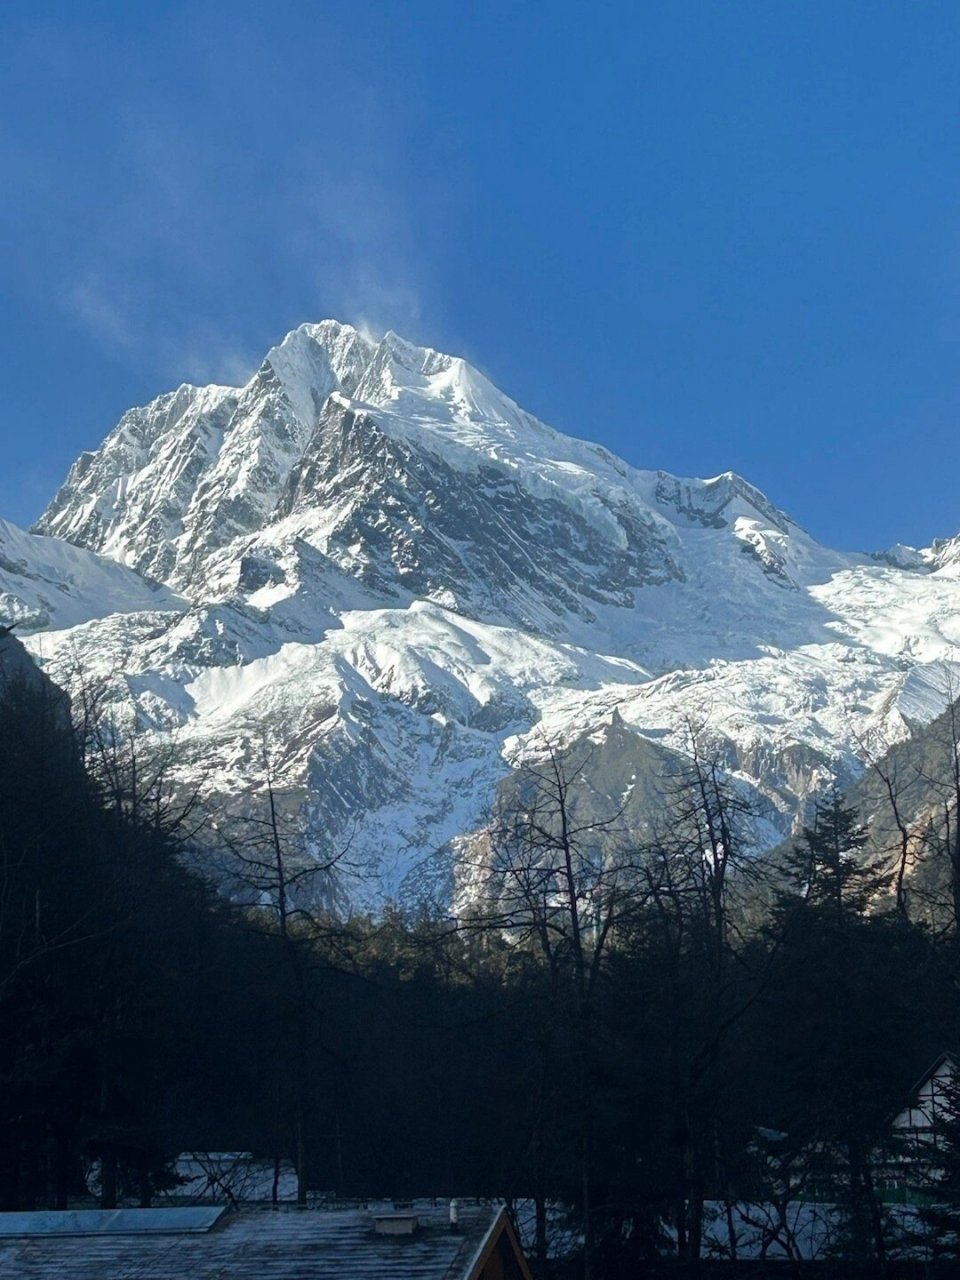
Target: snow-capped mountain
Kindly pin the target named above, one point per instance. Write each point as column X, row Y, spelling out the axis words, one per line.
column 376, row 564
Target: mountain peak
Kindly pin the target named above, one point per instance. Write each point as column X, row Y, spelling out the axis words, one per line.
column 406, row 467
column 315, row 360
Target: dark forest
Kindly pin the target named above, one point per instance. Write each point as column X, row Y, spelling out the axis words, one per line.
column 626, row 1036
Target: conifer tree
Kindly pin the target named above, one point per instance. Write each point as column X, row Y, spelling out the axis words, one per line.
column 828, row 870
column 834, row 938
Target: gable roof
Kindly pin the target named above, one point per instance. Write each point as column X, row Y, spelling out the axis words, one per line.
column 946, row 1057
column 275, row 1244
column 914, row 1096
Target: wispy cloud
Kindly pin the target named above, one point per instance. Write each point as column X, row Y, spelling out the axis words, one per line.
column 205, row 352
column 101, row 310
column 361, row 252
column 191, row 349
column 205, row 237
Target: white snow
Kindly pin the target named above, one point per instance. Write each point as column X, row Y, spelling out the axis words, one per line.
column 45, row 582
column 337, row 599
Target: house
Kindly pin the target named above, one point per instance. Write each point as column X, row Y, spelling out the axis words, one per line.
column 904, row 1159
column 418, row 1241
column 911, row 1161
column 927, row 1100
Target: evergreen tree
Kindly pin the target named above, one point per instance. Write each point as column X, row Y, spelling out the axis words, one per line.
column 828, row 871
column 840, row 1004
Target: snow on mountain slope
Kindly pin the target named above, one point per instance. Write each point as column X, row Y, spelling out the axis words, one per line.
column 415, row 477
column 201, row 464
column 390, row 734
column 401, row 581
column 45, row 582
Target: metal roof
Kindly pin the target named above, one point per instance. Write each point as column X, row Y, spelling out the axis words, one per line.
column 263, row 1244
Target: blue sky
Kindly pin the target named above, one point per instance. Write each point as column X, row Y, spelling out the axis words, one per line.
column 713, row 235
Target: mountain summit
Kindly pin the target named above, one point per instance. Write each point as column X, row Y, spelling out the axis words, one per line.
column 373, row 560
column 412, row 475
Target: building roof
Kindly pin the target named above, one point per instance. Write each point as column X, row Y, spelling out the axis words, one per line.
column 271, row 1244
column 923, row 1101
column 43, row 1223
column 947, row 1058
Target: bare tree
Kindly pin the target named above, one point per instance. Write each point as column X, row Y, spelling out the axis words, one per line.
column 920, row 784
column 699, row 865
column 943, row 836
column 906, row 848
column 137, row 777
column 263, row 852
column 560, row 882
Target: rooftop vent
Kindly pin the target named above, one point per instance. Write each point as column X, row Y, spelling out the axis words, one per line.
column 395, row 1224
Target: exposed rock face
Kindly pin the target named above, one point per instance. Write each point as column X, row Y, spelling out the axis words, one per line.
column 372, row 563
